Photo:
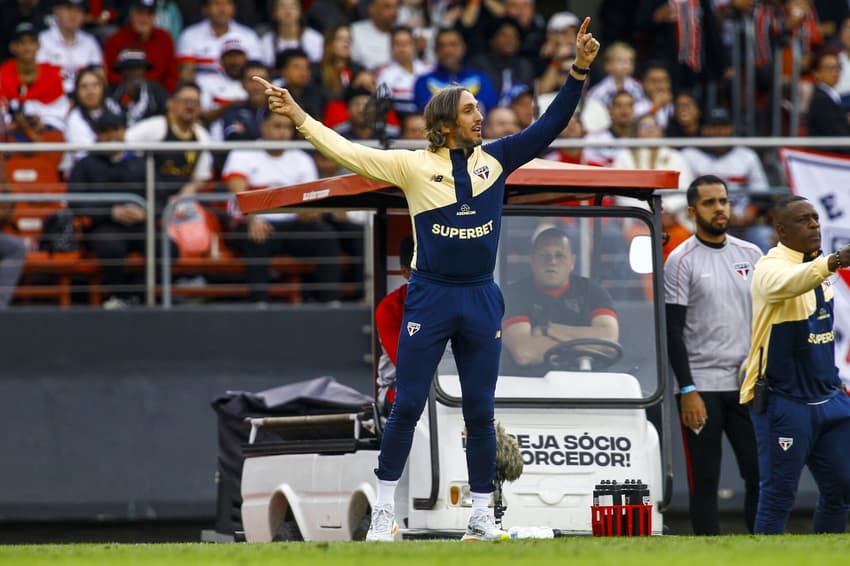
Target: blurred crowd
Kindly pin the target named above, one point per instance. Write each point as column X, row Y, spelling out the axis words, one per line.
column 179, row 70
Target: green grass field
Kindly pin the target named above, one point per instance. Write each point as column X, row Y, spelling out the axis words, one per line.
column 797, row 550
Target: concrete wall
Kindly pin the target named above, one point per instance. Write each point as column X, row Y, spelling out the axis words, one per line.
column 106, row 415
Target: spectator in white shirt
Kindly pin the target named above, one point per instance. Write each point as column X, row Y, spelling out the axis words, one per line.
column 65, row 45
column 90, row 102
column 741, row 169
column 658, row 91
column 647, row 127
column 177, row 172
column 619, row 69
column 263, row 236
column 399, row 75
column 223, row 88
column 622, row 113
column 370, row 38
column 199, row 46
column 289, row 32
column 416, row 15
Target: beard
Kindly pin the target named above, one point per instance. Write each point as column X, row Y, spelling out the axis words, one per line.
column 467, row 143
column 711, row 229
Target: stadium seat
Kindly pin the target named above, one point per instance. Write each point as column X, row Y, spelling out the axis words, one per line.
column 47, row 275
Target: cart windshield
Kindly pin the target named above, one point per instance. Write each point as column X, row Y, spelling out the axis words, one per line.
column 581, row 319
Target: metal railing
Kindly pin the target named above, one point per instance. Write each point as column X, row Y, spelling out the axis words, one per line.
column 168, row 147
column 167, row 260
column 151, row 149
column 116, row 197
column 778, row 89
column 744, row 84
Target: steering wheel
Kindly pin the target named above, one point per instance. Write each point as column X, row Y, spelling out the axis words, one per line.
column 571, row 355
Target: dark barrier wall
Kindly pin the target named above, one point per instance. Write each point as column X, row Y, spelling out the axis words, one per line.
column 106, row 415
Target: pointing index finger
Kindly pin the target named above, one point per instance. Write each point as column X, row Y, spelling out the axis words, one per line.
column 264, row 82
column 584, row 24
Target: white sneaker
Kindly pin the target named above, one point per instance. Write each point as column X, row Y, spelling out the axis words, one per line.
column 482, row 526
column 383, row 527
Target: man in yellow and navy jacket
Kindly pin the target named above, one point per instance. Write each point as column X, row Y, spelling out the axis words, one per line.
column 806, row 417
column 455, row 190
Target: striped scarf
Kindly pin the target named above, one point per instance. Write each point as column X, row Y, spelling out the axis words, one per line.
column 688, row 32
column 768, row 24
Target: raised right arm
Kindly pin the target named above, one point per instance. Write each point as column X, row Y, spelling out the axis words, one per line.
column 372, row 163
column 778, row 280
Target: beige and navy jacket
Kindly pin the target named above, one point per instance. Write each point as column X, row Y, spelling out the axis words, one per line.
column 792, row 327
column 455, row 199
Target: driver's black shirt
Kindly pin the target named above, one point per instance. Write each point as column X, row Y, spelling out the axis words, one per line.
column 574, row 304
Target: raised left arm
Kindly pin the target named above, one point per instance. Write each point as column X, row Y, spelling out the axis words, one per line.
column 518, row 149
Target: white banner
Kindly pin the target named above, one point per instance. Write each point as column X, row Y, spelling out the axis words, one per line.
column 825, row 181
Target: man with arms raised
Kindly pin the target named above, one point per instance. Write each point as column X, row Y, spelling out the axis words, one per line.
column 455, row 190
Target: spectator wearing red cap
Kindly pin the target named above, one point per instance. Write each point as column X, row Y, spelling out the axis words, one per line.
column 140, row 33
column 65, row 45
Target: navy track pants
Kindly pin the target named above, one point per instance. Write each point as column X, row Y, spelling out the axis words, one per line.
column 791, row 434
column 470, row 315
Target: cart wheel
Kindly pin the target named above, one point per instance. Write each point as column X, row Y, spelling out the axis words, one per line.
column 287, row 531
column 362, row 527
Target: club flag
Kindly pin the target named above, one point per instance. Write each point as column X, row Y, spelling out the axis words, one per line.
column 824, row 179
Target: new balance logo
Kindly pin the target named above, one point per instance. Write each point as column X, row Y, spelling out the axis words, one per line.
column 413, row 328
column 436, row 178
column 785, row 443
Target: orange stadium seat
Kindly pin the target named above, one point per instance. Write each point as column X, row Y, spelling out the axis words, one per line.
column 46, row 275
column 223, row 263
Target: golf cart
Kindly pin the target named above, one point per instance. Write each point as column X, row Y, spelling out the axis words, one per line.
column 579, row 422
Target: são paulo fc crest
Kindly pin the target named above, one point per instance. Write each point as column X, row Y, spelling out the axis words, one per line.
column 785, row 442
column 413, row 328
column 744, row 269
column 482, row 172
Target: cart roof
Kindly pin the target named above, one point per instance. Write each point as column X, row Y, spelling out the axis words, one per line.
column 537, row 182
